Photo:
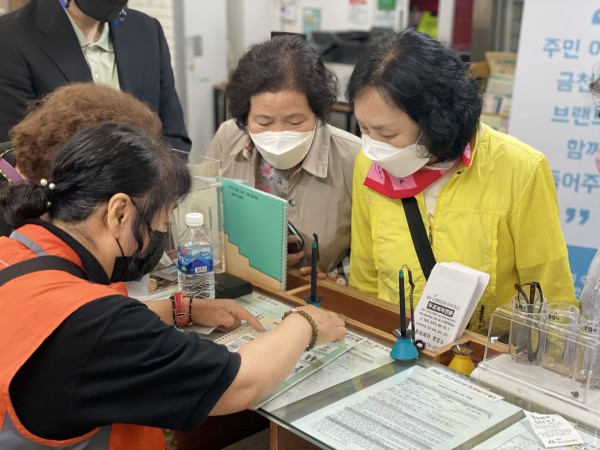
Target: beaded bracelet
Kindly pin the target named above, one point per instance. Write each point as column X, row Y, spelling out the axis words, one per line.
column 313, row 325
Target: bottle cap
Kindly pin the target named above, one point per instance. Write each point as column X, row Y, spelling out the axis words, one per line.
column 194, row 219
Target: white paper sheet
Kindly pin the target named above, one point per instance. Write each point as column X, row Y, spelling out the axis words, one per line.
column 263, row 305
column 414, row 410
column 520, row 436
column 553, row 430
column 365, row 356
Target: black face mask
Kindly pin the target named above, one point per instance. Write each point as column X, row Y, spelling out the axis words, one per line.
column 129, row 268
column 101, row 10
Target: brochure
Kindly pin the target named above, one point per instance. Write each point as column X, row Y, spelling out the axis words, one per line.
column 365, row 355
column 308, row 363
column 255, row 225
column 447, row 303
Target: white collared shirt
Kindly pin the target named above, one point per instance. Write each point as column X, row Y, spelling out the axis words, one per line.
column 99, row 55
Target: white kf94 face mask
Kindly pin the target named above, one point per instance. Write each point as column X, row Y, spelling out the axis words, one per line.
column 283, row 149
column 400, row 162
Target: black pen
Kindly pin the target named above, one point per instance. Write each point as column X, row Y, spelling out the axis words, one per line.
column 402, row 303
column 412, row 309
column 313, row 266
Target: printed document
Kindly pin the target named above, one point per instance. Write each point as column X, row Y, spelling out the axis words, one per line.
column 269, row 311
column 366, row 355
column 416, row 409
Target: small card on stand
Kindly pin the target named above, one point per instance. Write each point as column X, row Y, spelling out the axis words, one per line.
column 447, row 303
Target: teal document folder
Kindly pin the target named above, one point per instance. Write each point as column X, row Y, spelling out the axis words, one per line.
column 255, row 224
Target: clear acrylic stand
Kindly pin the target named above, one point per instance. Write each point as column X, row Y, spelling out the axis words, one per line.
column 548, row 363
column 206, row 197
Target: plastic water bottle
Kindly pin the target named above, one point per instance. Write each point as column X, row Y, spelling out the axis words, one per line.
column 195, row 259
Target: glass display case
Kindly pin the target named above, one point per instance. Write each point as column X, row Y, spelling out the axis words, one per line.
column 417, row 405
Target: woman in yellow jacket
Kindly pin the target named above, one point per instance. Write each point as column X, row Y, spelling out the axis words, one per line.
column 486, row 200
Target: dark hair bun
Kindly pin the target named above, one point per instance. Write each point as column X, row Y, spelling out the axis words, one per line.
column 22, row 202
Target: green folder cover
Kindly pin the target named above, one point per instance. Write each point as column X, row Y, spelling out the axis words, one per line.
column 256, row 222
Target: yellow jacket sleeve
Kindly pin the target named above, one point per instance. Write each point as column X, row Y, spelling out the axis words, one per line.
column 540, row 249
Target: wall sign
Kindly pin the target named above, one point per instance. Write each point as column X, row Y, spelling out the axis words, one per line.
column 553, row 110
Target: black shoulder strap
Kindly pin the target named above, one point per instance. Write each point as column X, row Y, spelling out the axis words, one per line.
column 419, row 235
column 45, row 262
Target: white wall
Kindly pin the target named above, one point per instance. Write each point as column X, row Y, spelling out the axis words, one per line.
column 249, row 22
column 205, row 64
column 446, row 20
column 342, row 15
column 163, row 11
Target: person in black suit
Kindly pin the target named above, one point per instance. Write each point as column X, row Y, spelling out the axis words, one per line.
column 40, row 51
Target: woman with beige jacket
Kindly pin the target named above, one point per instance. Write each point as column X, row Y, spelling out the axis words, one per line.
column 280, row 96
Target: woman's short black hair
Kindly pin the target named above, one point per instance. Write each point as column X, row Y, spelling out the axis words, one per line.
column 282, row 63
column 429, row 82
column 95, row 164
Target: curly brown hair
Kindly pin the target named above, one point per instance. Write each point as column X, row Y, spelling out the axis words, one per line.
column 285, row 62
column 69, row 109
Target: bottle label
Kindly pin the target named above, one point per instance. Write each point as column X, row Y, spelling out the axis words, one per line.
column 194, row 261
